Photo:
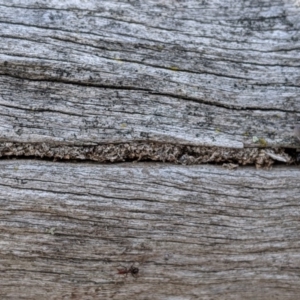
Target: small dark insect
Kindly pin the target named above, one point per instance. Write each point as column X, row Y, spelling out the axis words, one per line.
column 132, row 270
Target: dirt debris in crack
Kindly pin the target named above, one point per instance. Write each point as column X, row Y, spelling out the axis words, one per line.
column 151, row 151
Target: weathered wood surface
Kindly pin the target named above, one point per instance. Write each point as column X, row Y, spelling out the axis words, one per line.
column 206, row 73
column 194, row 232
column 147, row 80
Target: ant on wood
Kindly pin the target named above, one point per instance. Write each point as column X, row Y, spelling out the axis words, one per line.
column 132, row 270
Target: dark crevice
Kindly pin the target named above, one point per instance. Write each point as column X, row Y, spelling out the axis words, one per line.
column 85, row 83
column 79, row 83
column 167, row 68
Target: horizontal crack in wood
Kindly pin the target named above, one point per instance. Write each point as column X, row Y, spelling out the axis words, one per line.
column 141, row 151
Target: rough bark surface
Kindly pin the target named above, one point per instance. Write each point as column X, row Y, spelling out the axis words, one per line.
column 182, row 82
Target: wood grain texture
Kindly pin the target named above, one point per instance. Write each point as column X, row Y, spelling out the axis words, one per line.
column 204, row 73
column 193, row 231
column 134, row 79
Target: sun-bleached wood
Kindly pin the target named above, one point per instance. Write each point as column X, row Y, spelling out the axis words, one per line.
column 194, row 232
column 205, row 73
